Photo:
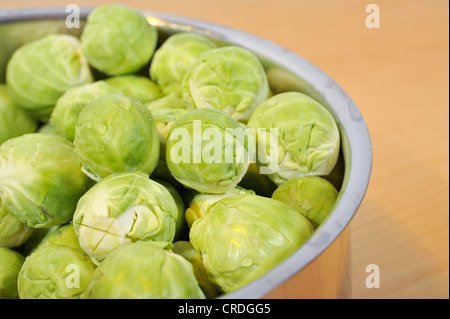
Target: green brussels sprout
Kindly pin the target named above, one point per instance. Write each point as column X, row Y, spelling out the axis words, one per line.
column 122, row 208
column 10, row 264
column 180, row 227
column 13, row 232
column 230, row 79
column 312, row 196
column 208, row 150
column 40, row 71
column 40, row 179
column 173, row 59
column 306, row 135
column 68, row 107
column 144, row 270
column 201, row 202
column 55, row 272
column 13, row 120
column 185, row 249
column 136, row 86
column 244, row 236
column 118, row 39
column 116, row 133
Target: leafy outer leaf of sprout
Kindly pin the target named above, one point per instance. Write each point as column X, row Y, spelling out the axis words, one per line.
column 242, row 237
column 201, row 202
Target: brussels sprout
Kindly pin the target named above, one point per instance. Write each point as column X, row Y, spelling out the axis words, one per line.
column 136, row 86
column 144, row 270
column 312, row 196
column 40, row 179
column 39, row 72
column 173, row 59
column 201, row 202
column 13, row 120
column 13, row 232
column 208, row 150
column 68, row 107
column 244, row 236
column 122, row 208
column 185, row 249
column 10, row 263
column 116, row 133
column 306, row 133
column 55, row 272
column 118, row 40
column 230, row 79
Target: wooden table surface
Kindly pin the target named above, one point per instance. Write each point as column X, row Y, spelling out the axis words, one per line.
column 398, row 76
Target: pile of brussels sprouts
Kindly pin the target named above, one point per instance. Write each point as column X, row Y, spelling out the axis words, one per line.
column 127, row 169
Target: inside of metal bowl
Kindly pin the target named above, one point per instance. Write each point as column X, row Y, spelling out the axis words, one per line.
column 286, row 71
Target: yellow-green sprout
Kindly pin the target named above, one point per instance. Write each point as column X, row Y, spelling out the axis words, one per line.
column 144, row 270
column 296, row 137
column 13, row 232
column 312, row 196
column 10, row 264
column 230, row 79
column 40, row 71
column 139, row 87
column 184, row 248
column 242, row 237
column 123, row 208
column 199, row 205
column 68, row 107
column 55, row 272
column 118, row 39
column 209, row 151
column 116, row 133
column 13, row 120
column 173, row 59
column 40, row 179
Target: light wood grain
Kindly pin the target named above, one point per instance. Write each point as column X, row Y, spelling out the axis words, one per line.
column 398, row 77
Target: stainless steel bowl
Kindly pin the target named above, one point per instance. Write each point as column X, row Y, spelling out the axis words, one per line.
column 321, row 267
